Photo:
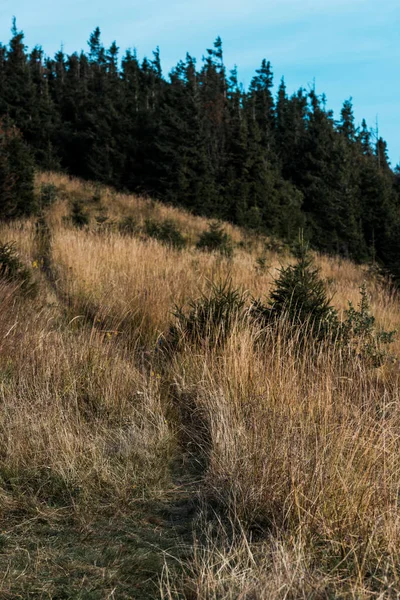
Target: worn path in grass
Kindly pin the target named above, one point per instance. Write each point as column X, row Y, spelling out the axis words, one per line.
column 57, row 549
column 67, row 552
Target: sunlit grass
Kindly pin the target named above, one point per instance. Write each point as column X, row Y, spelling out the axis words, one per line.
column 297, row 446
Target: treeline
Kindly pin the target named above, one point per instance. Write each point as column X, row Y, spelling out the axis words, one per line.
column 271, row 162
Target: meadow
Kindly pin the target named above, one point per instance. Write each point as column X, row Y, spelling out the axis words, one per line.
column 260, row 466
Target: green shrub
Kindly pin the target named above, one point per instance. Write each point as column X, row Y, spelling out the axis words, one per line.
column 359, row 332
column 216, row 240
column 104, row 224
column 209, row 318
column 43, row 243
column 12, row 268
column 48, row 194
column 96, row 198
column 261, row 265
column 300, row 296
column 166, row 232
column 79, row 216
column 128, row 225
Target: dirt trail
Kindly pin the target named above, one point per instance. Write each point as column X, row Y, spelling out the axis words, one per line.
column 64, row 553
column 69, row 552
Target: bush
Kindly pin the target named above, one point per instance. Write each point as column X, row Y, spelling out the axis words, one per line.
column 359, row 332
column 210, row 318
column 104, row 224
column 216, row 240
column 48, row 194
column 43, row 243
column 127, row 226
column 166, row 232
column 300, row 296
column 261, row 265
column 79, row 216
column 96, row 198
column 13, row 270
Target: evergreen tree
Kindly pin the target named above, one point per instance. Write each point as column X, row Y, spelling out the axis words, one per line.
column 346, row 124
column 300, row 296
column 16, row 174
column 364, row 139
column 262, row 104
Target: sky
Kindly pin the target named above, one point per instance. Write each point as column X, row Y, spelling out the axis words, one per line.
column 349, row 48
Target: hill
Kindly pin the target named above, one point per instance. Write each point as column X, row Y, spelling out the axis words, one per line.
column 142, row 460
column 195, row 138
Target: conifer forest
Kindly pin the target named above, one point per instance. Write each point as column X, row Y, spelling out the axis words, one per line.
column 195, row 138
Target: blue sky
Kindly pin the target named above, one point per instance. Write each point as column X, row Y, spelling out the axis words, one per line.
column 350, row 47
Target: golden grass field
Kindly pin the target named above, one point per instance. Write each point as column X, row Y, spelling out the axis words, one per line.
column 247, row 471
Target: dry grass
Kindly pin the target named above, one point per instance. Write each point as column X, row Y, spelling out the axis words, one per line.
column 75, row 408
column 117, row 205
column 299, row 446
column 302, row 449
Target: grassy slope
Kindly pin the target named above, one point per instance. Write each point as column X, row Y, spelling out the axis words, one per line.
column 102, row 491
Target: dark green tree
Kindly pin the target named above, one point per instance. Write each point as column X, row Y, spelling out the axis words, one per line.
column 300, row 297
column 16, row 174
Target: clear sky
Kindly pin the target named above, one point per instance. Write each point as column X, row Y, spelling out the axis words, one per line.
column 351, row 48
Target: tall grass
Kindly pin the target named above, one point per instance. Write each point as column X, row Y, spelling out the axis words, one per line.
column 298, row 445
column 302, row 454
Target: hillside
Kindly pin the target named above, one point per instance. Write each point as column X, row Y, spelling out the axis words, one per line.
column 260, row 464
column 260, row 157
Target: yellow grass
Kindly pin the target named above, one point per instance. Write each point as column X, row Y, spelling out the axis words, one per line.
column 299, row 447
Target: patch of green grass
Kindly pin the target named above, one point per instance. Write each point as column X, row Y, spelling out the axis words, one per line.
column 64, row 553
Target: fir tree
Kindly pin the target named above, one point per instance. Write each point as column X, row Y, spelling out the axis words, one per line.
column 300, row 296
column 16, row 174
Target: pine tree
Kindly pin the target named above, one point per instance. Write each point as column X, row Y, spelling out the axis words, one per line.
column 262, row 104
column 346, row 124
column 187, row 174
column 16, row 174
column 18, row 90
column 300, row 296
column 291, row 132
